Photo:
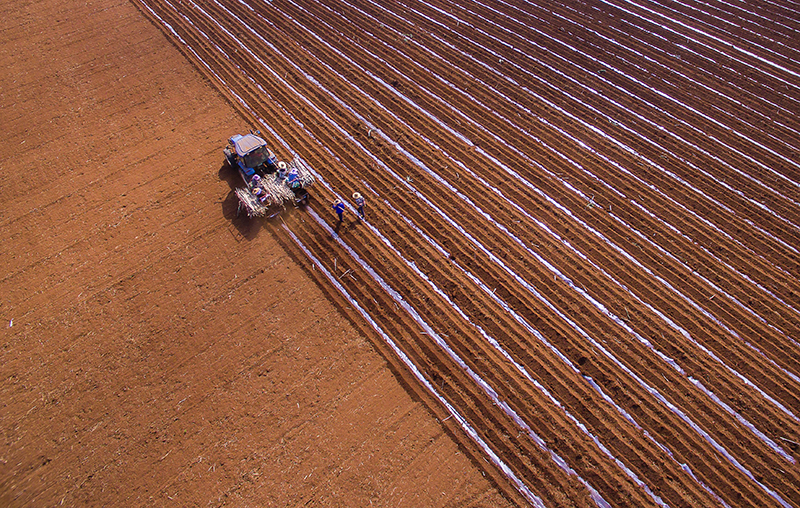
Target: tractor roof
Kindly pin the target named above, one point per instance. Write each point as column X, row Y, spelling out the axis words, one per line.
column 247, row 144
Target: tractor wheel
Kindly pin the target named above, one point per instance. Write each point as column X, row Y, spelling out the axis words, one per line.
column 229, row 158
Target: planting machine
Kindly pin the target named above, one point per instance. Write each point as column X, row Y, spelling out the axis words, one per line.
column 268, row 183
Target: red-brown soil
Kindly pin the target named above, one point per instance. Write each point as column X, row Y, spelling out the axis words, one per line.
column 581, row 255
column 157, row 351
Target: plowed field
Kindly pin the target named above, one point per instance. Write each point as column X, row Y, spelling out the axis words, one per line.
column 583, row 223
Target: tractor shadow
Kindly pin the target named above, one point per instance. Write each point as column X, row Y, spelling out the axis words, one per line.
column 247, row 227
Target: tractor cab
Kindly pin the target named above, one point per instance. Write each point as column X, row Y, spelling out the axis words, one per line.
column 251, row 154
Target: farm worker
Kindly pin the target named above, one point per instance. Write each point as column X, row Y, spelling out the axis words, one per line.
column 360, row 202
column 338, row 207
column 281, row 170
column 293, row 179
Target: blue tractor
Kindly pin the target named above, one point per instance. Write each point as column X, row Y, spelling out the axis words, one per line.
column 269, row 183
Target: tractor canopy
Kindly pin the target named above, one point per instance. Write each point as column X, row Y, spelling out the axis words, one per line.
column 252, row 149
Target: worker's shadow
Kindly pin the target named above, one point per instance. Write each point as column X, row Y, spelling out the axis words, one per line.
column 247, row 227
column 346, row 225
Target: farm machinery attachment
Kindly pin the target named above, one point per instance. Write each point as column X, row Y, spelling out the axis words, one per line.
column 268, row 183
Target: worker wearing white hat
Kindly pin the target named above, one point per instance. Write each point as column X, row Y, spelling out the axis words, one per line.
column 360, row 202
